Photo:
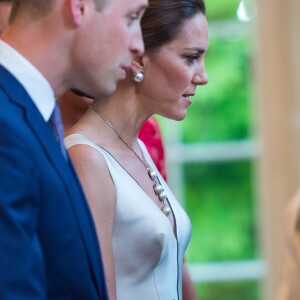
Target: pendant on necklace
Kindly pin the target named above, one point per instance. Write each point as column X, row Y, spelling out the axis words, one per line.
column 159, row 191
column 152, row 174
column 166, row 210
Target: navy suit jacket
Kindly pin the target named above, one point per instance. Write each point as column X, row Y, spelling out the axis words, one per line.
column 48, row 243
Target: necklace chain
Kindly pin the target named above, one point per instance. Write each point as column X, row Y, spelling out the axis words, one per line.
column 141, row 159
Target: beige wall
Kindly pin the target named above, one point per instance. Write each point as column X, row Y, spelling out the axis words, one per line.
column 278, row 89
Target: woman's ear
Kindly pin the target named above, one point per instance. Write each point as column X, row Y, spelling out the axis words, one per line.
column 137, row 64
column 77, row 8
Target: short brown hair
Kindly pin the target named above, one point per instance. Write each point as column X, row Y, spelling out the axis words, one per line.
column 40, row 8
column 37, row 8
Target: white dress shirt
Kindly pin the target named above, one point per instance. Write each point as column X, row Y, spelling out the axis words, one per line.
column 30, row 78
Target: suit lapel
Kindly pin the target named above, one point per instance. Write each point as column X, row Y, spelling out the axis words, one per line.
column 64, row 169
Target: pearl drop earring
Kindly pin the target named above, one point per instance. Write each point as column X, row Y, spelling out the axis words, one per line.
column 138, row 76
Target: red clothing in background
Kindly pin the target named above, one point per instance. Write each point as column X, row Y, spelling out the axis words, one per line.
column 151, row 136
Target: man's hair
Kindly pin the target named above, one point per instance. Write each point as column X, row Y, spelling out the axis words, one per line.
column 36, row 8
column 40, row 8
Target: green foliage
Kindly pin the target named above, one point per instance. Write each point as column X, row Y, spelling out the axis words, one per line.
column 219, row 204
column 242, row 290
column 220, row 9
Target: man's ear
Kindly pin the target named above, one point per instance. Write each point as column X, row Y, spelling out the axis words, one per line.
column 77, row 8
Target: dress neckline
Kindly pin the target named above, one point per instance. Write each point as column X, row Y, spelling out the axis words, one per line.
column 174, row 230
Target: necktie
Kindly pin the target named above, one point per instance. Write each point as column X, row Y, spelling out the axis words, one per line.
column 56, row 125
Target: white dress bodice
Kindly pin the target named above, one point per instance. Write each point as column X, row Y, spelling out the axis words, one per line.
column 148, row 256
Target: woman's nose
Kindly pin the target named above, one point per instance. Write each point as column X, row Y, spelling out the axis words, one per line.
column 200, row 78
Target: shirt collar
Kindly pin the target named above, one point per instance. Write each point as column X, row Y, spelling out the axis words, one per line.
column 30, row 78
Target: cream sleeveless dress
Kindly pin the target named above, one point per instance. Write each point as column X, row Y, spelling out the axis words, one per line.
column 148, row 256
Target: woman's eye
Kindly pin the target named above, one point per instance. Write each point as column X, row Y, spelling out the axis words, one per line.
column 192, row 58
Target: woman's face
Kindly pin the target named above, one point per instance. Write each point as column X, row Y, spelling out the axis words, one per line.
column 173, row 73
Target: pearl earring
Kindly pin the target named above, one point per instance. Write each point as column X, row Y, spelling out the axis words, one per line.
column 138, row 76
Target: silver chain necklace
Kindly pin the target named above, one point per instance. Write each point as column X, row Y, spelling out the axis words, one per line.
column 158, row 188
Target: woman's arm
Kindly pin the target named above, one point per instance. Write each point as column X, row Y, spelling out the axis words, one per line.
column 188, row 289
column 100, row 191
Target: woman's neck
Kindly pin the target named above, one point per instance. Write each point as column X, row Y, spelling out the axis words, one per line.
column 108, row 120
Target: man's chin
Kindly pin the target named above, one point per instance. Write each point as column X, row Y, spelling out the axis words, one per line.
column 81, row 94
column 103, row 91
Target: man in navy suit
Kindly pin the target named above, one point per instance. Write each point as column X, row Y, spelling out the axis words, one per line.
column 48, row 243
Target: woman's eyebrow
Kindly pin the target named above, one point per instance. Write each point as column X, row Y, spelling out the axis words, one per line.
column 197, row 49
